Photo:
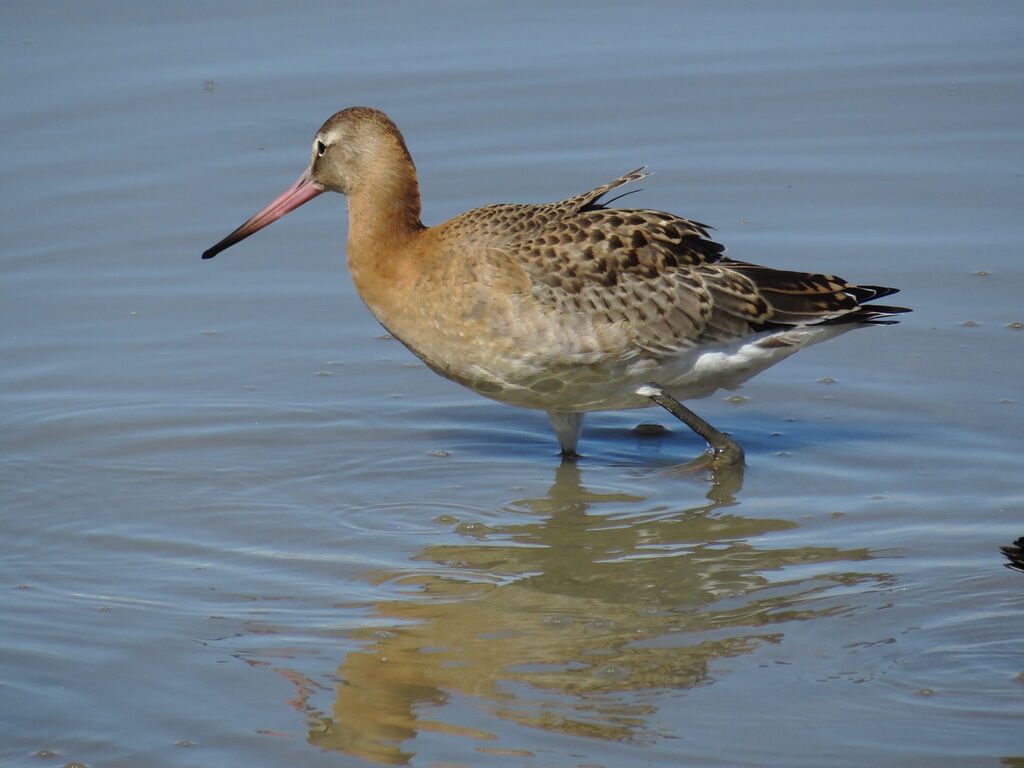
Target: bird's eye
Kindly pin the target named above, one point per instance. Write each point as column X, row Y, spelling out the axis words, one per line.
column 321, row 148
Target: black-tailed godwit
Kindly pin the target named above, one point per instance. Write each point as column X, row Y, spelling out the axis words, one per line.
column 564, row 307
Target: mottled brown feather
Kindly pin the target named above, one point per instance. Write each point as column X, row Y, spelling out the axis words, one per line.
column 659, row 274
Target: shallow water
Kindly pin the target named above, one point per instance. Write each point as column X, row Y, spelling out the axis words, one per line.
column 242, row 526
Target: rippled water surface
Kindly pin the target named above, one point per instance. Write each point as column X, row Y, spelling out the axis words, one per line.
column 241, row 526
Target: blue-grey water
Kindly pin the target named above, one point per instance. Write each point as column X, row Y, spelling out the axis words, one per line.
column 241, row 526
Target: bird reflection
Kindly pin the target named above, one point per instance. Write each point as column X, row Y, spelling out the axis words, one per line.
column 560, row 618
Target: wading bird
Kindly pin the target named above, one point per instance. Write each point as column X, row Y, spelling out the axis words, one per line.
column 564, row 307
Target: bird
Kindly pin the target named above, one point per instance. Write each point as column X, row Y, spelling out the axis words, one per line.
column 1015, row 555
column 565, row 307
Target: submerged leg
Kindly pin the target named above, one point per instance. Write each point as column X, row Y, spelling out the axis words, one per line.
column 724, row 447
column 567, row 429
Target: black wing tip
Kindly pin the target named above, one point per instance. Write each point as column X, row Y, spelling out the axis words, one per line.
column 863, row 293
column 873, row 314
column 880, row 310
column 882, row 315
column 869, row 314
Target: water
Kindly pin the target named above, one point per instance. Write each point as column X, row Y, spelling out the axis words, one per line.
column 241, row 526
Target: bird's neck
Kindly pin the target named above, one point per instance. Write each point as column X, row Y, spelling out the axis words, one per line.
column 384, row 204
column 384, row 226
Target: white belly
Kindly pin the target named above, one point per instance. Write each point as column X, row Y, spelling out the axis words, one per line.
column 611, row 384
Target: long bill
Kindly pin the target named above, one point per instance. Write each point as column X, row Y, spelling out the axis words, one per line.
column 302, row 191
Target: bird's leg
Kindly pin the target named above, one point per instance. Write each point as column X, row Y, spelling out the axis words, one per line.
column 567, row 426
column 726, row 450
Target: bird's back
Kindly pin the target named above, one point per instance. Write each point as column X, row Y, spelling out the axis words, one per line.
column 571, row 304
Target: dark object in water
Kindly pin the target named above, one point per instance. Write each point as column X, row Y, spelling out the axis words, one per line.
column 1015, row 555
